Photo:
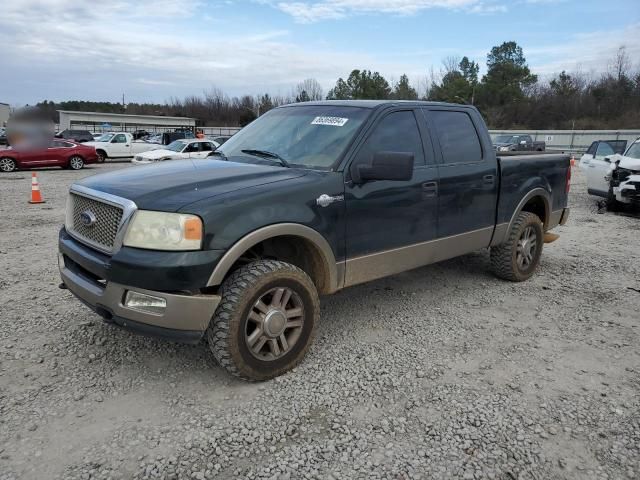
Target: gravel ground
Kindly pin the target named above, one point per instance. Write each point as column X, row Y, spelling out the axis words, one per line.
column 442, row 372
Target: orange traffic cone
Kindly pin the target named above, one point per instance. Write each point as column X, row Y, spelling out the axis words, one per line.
column 36, row 196
column 573, row 160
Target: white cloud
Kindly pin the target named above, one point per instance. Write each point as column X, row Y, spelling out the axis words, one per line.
column 592, row 51
column 59, row 50
column 317, row 10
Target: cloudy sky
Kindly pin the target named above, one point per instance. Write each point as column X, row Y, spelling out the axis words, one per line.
column 152, row 50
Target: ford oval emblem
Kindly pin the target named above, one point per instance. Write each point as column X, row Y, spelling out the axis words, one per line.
column 88, row 219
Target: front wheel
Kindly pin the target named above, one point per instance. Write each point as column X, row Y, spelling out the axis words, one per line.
column 7, row 164
column 102, row 156
column 517, row 258
column 76, row 163
column 265, row 321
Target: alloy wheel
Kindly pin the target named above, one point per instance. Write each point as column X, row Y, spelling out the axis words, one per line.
column 274, row 324
column 76, row 163
column 526, row 248
column 7, row 164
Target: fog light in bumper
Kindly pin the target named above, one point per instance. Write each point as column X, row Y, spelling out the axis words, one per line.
column 145, row 303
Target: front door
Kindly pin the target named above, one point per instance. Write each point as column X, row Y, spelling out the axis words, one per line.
column 120, row 146
column 597, row 168
column 386, row 218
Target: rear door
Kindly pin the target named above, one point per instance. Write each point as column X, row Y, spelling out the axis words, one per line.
column 468, row 177
column 205, row 149
column 192, row 150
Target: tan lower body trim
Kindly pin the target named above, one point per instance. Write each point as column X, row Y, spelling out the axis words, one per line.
column 381, row 264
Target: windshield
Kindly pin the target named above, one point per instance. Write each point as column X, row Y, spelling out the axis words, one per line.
column 105, row 137
column 633, row 151
column 176, row 146
column 307, row 136
column 506, row 139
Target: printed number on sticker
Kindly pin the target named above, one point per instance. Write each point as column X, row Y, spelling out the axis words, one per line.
column 332, row 121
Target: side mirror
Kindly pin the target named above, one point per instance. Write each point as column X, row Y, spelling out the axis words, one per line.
column 607, row 159
column 394, row 166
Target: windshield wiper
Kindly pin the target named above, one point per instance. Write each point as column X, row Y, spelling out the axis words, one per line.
column 219, row 153
column 267, row 154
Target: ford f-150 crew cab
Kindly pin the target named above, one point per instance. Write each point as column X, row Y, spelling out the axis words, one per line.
column 306, row 200
column 119, row 145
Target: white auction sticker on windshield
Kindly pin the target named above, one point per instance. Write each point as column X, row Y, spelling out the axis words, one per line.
column 332, row 121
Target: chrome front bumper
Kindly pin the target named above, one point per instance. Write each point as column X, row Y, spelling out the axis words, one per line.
column 185, row 317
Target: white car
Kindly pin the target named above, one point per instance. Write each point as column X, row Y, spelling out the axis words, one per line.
column 616, row 177
column 595, row 166
column 118, row 145
column 176, row 150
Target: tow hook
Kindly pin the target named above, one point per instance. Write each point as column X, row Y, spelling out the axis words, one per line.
column 550, row 237
column 62, row 286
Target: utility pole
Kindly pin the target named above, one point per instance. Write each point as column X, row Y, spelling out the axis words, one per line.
column 124, row 107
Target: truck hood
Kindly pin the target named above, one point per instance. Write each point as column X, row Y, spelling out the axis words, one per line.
column 503, row 144
column 96, row 144
column 168, row 186
column 630, row 163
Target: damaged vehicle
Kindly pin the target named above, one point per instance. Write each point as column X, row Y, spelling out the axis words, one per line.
column 616, row 177
column 624, row 176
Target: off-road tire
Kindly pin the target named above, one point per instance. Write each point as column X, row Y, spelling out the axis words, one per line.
column 240, row 291
column 8, row 165
column 503, row 257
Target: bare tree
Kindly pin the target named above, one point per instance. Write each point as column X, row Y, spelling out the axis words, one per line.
column 621, row 65
column 309, row 90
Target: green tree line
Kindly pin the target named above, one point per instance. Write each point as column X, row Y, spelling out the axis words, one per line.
column 509, row 95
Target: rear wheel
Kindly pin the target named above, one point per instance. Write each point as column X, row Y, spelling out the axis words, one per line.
column 517, row 259
column 76, row 163
column 7, row 164
column 265, row 321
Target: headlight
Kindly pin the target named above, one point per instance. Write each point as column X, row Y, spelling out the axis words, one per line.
column 164, row 231
column 504, row 149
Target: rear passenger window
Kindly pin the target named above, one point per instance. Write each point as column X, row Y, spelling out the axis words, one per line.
column 397, row 132
column 458, row 137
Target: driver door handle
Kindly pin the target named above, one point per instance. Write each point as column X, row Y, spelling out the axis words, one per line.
column 430, row 189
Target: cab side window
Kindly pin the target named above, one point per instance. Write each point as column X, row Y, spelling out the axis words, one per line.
column 592, row 148
column 191, row 148
column 120, row 138
column 604, row 149
column 397, row 132
column 458, row 137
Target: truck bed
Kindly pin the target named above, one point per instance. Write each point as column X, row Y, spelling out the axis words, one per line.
column 520, row 173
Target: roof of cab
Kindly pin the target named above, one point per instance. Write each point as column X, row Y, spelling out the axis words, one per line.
column 372, row 103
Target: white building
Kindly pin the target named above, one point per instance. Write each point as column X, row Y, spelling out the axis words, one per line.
column 5, row 112
column 96, row 121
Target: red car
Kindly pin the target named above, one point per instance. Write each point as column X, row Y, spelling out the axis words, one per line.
column 61, row 153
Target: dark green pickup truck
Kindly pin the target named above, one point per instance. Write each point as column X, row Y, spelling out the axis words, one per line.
column 306, row 200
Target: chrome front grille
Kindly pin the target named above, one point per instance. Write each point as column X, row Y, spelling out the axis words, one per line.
column 94, row 222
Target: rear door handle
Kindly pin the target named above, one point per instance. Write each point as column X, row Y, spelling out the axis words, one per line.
column 488, row 180
column 430, row 189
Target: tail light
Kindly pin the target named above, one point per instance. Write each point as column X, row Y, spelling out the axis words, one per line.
column 568, row 186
